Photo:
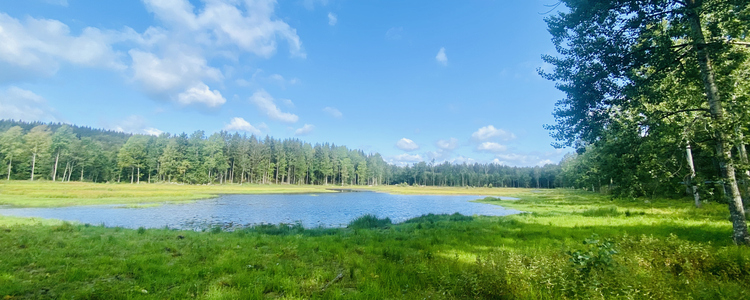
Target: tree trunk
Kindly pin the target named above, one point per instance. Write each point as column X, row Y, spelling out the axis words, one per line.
column 691, row 179
column 70, row 173
column 131, row 174
column 54, row 171
column 139, row 175
column 743, row 159
column 10, row 165
column 723, row 148
column 33, row 165
column 82, row 172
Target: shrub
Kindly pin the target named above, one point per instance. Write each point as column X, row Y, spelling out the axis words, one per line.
column 369, row 221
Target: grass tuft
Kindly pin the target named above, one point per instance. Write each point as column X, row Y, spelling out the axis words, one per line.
column 602, row 212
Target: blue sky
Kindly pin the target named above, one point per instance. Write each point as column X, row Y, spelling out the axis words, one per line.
column 412, row 80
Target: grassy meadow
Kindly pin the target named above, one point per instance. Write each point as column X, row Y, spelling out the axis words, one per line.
column 55, row 194
column 569, row 245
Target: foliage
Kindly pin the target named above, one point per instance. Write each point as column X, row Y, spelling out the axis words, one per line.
column 596, row 255
column 105, row 156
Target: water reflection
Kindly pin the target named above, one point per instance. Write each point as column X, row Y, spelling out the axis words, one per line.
column 321, row 210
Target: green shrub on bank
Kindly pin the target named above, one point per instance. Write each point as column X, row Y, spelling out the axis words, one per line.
column 369, row 221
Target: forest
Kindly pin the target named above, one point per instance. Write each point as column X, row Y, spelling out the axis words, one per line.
column 61, row 152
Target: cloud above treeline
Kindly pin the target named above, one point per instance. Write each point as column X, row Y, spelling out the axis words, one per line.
column 168, row 62
column 239, row 124
column 266, row 104
column 491, row 133
column 407, row 145
column 304, row 130
column 24, row 105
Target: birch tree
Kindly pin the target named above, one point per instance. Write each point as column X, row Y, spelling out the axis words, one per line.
column 612, row 52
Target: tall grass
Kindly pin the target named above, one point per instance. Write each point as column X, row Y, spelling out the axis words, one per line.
column 571, row 245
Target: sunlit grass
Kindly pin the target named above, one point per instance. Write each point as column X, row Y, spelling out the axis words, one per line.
column 666, row 249
column 54, row 194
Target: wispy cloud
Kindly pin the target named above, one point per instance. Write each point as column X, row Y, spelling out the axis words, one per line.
column 239, row 124
column 135, row 124
column 304, row 130
column 490, row 132
column 491, row 147
column 441, row 57
column 265, row 104
column 404, row 159
column 394, row 33
column 407, row 145
column 20, row 104
column 333, row 112
column 450, row 144
column 332, row 19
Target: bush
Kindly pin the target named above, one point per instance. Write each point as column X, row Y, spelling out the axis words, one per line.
column 369, row 221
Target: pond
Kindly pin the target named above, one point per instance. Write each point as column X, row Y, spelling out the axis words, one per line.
column 310, row 210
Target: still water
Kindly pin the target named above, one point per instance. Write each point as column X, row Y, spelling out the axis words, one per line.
column 311, row 210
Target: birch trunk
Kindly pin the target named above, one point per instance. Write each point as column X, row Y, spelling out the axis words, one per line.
column 690, row 182
column 33, row 165
column 723, row 148
column 10, row 165
column 54, row 171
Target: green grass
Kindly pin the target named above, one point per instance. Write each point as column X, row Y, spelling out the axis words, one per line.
column 660, row 249
column 56, row 194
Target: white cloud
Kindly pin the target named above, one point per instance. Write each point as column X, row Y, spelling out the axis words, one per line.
column 249, row 25
column 153, row 131
column 287, row 103
column 394, row 33
column 258, row 80
column 332, row 19
column 462, row 159
column 404, row 159
column 491, row 147
column 265, row 104
column 515, row 159
column 175, row 72
column 439, row 155
column 441, row 57
column 201, row 94
column 20, row 104
column 490, row 132
column 333, row 112
column 36, row 47
column 544, row 162
column 134, row 124
column 407, row 145
column 304, row 130
column 239, row 124
column 450, row 144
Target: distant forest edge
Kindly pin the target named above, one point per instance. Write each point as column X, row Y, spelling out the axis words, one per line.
column 61, row 152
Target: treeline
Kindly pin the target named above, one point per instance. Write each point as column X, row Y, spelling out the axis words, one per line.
column 63, row 152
